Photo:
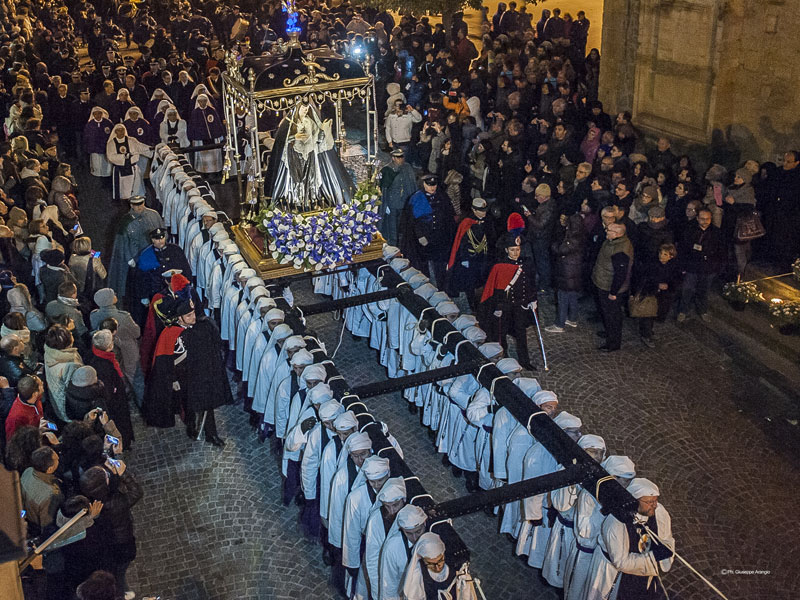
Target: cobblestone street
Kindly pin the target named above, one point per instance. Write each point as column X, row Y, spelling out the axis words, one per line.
column 697, row 417
column 211, row 524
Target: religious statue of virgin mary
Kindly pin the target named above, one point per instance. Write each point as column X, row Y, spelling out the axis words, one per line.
column 305, row 173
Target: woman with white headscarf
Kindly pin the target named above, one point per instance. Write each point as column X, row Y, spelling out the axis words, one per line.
column 205, row 128
column 121, row 104
column 159, row 95
column 138, row 127
column 123, row 153
column 172, row 130
column 95, row 138
column 161, row 113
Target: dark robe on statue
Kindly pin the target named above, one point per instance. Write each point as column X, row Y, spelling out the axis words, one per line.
column 305, row 171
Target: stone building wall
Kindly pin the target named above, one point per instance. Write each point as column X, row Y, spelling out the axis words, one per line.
column 718, row 72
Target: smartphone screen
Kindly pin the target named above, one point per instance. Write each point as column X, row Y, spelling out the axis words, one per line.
column 52, row 426
column 96, row 254
column 22, row 513
column 114, row 463
column 112, row 440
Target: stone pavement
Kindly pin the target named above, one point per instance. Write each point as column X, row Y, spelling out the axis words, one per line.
column 700, row 421
column 211, row 525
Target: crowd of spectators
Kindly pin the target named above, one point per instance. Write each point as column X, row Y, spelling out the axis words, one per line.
column 509, row 134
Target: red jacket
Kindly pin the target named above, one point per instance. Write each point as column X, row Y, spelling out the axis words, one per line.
column 22, row 414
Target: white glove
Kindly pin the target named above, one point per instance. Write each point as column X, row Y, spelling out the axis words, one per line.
column 176, row 386
column 388, row 211
column 423, row 241
column 465, row 264
column 498, row 313
column 145, row 301
column 132, row 263
column 533, row 305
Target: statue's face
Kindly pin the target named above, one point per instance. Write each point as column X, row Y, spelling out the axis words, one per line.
column 303, row 110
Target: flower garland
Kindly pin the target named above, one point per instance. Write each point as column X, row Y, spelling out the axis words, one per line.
column 320, row 240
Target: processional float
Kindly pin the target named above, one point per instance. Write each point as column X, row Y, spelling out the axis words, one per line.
column 300, row 207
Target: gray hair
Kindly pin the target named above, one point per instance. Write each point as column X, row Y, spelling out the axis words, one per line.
column 9, row 342
column 103, row 339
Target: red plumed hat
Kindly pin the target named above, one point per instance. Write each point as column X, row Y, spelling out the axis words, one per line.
column 177, row 283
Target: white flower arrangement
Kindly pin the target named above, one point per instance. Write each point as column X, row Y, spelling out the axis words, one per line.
column 741, row 292
column 786, row 312
column 323, row 239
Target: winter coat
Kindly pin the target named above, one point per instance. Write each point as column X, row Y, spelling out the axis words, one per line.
column 702, row 252
column 115, row 397
column 113, row 528
column 541, row 222
column 613, row 267
column 568, row 253
column 51, row 278
column 650, row 237
column 126, row 339
column 13, row 368
column 78, row 263
column 58, row 368
column 80, row 400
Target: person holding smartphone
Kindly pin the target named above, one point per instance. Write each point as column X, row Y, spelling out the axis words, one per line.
column 90, row 274
column 112, row 534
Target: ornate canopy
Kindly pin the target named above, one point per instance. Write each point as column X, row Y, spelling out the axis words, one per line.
column 276, row 82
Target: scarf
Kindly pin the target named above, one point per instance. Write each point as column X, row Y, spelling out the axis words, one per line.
column 717, row 193
column 68, row 301
column 589, row 147
column 23, row 334
column 110, row 357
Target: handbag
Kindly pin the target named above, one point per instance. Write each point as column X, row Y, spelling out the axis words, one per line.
column 641, row 306
column 749, row 227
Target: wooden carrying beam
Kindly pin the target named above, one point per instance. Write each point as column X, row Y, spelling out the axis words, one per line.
column 457, row 551
column 613, row 498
